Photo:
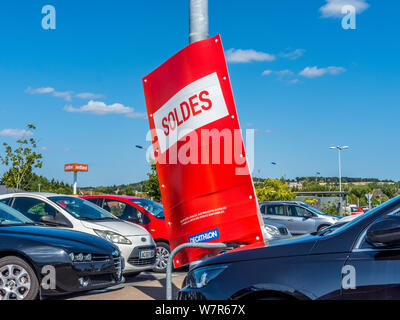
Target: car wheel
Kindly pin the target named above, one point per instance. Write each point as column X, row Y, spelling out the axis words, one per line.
column 322, row 227
column 163, row 251
column 18, row 281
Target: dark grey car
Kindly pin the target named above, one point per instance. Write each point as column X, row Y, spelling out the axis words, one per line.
column 298, row 217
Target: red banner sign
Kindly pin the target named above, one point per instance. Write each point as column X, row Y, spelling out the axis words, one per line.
column 76, row 167
column 206, row 186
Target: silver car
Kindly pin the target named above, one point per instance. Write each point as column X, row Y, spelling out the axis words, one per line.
column 273, row 230
column 298, row 217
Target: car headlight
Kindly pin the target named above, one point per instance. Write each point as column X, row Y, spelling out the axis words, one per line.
column 272, row 230
column 199, row 278
column 112, row 237
column 80, row 257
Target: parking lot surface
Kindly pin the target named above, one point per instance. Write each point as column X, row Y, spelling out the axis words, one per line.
column 146, row 286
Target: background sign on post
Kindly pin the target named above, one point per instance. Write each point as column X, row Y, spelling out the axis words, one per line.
column 206, row 186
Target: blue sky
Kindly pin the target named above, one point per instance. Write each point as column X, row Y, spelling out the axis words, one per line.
column 301, row 80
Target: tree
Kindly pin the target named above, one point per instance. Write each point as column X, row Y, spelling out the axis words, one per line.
column 274, row 190
column 152, row 185
column 21, row 162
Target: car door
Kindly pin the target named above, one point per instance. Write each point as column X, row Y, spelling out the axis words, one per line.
column 376, row 272
column 274, row 212
column 35, row 209
column 124, row 211
column 299, row 220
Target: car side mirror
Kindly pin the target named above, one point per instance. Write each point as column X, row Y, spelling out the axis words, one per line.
column 385, row 232
column 51, row 221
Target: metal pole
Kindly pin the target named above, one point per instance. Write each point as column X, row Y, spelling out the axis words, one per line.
column 179, row 248
column 340, row 184
column 340, row 172
column 75, row 181
column 198, row 20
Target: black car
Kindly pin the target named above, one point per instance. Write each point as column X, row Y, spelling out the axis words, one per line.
column 37, row 260
column 357, row 260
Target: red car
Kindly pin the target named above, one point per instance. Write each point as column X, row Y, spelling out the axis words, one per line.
column 356, row 210
column 147, row 213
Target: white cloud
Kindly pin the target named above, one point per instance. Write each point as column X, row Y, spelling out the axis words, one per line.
column 293, row 55
column 280, row 73
column 89, row 95
column 16, row 133
column 39, row 90
column 333, row 8
column 313, row 72
column 294, row 81
column 267, row 72
column 100, row 108
column 66, row 95
column 248, row 55
column 283, row 73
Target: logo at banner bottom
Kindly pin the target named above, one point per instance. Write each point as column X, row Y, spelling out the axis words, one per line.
column 205, row 236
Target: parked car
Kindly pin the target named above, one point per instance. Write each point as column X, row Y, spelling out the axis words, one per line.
column 353, row 210
column 273, row 231
column 298, row 217
column 135, row 242
column 28, row 252
column 147, row 213
column 355, row 260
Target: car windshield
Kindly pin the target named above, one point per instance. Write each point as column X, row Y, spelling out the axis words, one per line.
column 9, row 216
column 313, row 209
column 153, row 207
column 81, row 209
column 338, row 227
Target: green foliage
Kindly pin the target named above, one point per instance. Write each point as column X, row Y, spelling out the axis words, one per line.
column 311, row 201
column 21, row 161
column 48, row 185
column 273, row 190
column 152, row 185
column 331, row 208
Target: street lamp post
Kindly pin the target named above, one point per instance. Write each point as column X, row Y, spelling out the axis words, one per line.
column 198, row 20
column 339, row 149
column 280, row 167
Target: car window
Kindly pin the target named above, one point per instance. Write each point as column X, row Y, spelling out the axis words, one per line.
column 275, row 210
column 9, row 216
column 295, row 211
column 93, row 200
column 122, row 210
column 263, row 209
column 6, row 201
column 150, row 206
column 33, row 209
column 81, row 209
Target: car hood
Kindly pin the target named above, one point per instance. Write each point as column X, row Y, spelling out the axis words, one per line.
column 65, row 239
column 124, row 228
column 272, row 223
column 296, row 246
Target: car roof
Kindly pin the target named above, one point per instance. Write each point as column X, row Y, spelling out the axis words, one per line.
column 282, row 202
column 36, row 194
column 111, row 196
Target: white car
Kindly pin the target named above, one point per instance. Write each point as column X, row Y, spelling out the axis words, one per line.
column 135, row 242
column 273, row 231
